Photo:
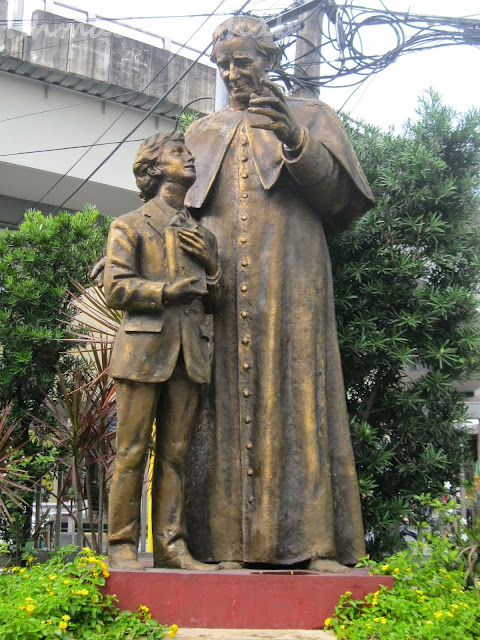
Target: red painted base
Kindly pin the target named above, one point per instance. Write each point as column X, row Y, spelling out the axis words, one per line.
column 240, row 599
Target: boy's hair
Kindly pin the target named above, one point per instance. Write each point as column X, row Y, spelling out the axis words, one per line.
column 149, row 152
column 248, row 27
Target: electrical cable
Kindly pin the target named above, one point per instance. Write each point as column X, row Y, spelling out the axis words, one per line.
column 122, row 113
column 93, row 100
column 151, row 110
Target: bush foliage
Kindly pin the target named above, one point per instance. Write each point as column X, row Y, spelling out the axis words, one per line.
column 406, row 281
column 435, row 594
column 62, row 599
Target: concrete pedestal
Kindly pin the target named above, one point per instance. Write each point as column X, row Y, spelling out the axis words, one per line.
column 240, row 599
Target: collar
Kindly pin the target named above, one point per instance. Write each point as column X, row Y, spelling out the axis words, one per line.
column 161, row 215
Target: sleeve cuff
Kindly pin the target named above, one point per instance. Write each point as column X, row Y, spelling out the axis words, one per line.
column 213, row 280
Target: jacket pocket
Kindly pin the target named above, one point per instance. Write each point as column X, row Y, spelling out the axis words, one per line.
column 142, row 324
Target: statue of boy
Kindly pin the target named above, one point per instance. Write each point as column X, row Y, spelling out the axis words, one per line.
column 162, row 270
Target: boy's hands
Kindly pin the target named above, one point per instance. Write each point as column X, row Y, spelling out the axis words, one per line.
column 193, row 243
column 182, row 291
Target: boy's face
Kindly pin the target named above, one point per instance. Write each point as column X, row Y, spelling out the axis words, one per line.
column 176, row 164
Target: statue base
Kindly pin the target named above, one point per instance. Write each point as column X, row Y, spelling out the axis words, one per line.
column 242, row 599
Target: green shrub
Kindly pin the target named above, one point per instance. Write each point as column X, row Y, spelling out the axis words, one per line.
column 62, row 599
column 435, row 596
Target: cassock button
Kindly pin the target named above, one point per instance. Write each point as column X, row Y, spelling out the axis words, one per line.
column 246, row 393
column 186, row 311
column 250, row 499
column 244, row 263
column 152, row 305
column 246, row 340
column 242, row 239
column 250, row 471
column 244, row 159
column 244, row 143
column 244, row 176
column 244, row 314
column 248, row 420
column 244, row 287
column 246, row 366
column 244, row 217
column 249, row 445
column 244, row 195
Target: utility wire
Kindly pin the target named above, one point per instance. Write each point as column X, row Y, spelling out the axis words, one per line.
column 151, row 110
column 93, row 100
column 70, row 148
column 121, row 114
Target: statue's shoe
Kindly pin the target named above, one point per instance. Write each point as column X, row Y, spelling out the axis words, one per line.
column 177, row 556
column 124, row 558
column 327, row 565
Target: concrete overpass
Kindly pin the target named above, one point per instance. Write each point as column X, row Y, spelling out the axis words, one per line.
column 67, row 86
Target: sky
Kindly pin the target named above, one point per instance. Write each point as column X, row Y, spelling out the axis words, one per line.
column 386, row 99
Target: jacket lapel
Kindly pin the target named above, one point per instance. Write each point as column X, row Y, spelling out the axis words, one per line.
column 156, row 218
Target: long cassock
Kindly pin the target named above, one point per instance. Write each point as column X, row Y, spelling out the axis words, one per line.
column 272, row 476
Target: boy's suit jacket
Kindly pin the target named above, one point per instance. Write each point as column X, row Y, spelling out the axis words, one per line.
column 150, row 336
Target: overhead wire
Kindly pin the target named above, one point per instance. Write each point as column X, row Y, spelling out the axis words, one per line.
column 63, row 176
column 150, row 111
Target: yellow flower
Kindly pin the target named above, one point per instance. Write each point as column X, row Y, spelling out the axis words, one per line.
column 82, row 592
column 52, row 577
column 376, row 619
column 328, row 622
column 173, row 631
column 438, row 614
column 396, row 571
column 30, row 559
column 105, row 573
column 142, row 607
column 30, row 608
column 449, row 614
column 21, row 607
column 428, row 622
column 22, row 570
column 342, row 627
column 62, row 625
column 408, row 569
column 86, row 549
column 454, row 606
column 66, row 618
column 420, row 593
column 348, row 593
column 103, row 566
column 385, row 567
column 28, row 599
column 66, row 581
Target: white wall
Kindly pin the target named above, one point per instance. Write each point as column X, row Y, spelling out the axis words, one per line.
column 71, row 119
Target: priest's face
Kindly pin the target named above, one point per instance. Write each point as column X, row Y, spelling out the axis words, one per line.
column 241, row 68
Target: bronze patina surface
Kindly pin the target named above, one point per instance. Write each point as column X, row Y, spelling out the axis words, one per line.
column 272, row 474
column 161, row 269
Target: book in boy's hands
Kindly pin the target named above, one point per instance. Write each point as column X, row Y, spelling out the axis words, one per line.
column 180, row 263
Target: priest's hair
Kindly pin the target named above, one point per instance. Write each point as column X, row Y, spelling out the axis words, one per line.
column 247, row 27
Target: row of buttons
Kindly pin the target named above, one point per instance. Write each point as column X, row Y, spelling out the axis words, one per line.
column 246, row 340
